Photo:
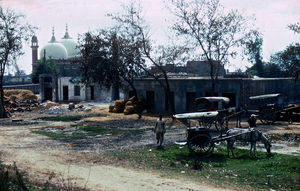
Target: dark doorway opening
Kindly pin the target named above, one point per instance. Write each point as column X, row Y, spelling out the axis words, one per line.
column 92, row 93
column 171, row 99
column 150, row 101
column 231, row 96
column 190, row 99
column 48, row 94
column 131, row 94
column 65, row 93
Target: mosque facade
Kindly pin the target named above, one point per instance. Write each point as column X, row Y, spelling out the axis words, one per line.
column 66, row 87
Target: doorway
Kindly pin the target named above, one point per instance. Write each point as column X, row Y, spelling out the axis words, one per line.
column 150, row 101
column 190, row 99
column 92, row 92
column 48, row 93
column 65, row 93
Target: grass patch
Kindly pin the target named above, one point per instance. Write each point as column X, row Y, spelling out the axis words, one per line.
column 278, row 172
column 63, row 118
column 82, row 132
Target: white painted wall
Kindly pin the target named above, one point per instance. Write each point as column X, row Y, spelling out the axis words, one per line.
column 65, row 81
column 101, row 94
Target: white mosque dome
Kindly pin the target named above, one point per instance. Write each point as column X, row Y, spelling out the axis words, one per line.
column 54, row 50
column 64, row 49
column 70, row 46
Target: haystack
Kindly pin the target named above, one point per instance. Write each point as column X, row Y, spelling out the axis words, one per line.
column 130, row 110
column 119, row 106
column 20, row 100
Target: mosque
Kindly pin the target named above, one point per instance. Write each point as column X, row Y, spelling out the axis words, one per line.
column 65, row 87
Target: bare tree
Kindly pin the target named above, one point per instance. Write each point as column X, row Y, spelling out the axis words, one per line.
column 13, row 31
column 135, row 26
column 213, row 32
column 295, row 27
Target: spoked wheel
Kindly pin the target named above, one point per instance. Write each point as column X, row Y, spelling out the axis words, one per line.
column 267, row 116
column 201, row 145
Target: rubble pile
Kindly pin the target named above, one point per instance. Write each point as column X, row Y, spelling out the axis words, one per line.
column 57, row 110
column 20, row 100
column 61, row 109
column 128, row 107
column 48, row 104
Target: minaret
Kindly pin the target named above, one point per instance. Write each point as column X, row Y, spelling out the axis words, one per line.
column 67, row 36
column 53, row 37
column 34, row 47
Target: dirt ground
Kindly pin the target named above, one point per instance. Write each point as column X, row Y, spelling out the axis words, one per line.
column 81, row 162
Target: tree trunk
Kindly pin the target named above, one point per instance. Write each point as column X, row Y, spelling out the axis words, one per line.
column 213, row 77
column 2, row 108
column 132, row 86
column 171, row 108
column 115, row 92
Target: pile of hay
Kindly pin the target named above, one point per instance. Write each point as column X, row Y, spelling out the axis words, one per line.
column 20, row 100
column 128, row 107
column 118, row 107
column 131, row 106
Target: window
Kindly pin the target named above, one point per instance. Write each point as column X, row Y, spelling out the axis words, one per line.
column 76, row 90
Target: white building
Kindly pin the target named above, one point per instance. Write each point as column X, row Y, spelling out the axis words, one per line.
column 66, row 86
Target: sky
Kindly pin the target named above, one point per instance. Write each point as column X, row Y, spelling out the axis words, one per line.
column 272, row 18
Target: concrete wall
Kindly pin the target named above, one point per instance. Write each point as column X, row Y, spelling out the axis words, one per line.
column 101, row 94
column 203, row 68
column 242, row 89
column 65, row 81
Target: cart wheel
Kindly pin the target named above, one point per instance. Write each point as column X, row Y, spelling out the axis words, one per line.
column 201, row 145
column 267, row 116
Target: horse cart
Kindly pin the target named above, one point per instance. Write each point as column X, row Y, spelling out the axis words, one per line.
column 218, row 106
column 221, row 106
column 200, row 139
column 272, row 107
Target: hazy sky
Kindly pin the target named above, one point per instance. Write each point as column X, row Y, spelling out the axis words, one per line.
column 272, row 17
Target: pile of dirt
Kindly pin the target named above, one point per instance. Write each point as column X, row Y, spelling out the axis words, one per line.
column 128, row 107
column 20, row 100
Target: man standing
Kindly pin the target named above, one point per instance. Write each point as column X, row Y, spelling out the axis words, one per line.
column 160, row 130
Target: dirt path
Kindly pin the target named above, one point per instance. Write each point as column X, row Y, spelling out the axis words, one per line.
column 42, row 157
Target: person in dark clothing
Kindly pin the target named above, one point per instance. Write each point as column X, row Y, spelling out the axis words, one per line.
column 160, row 130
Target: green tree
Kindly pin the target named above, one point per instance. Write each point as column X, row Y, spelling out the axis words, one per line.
column 44, row 67
column 215, row 33
column 254, row 51
column 289, row 60
column 14, row 30
column 109, row 58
